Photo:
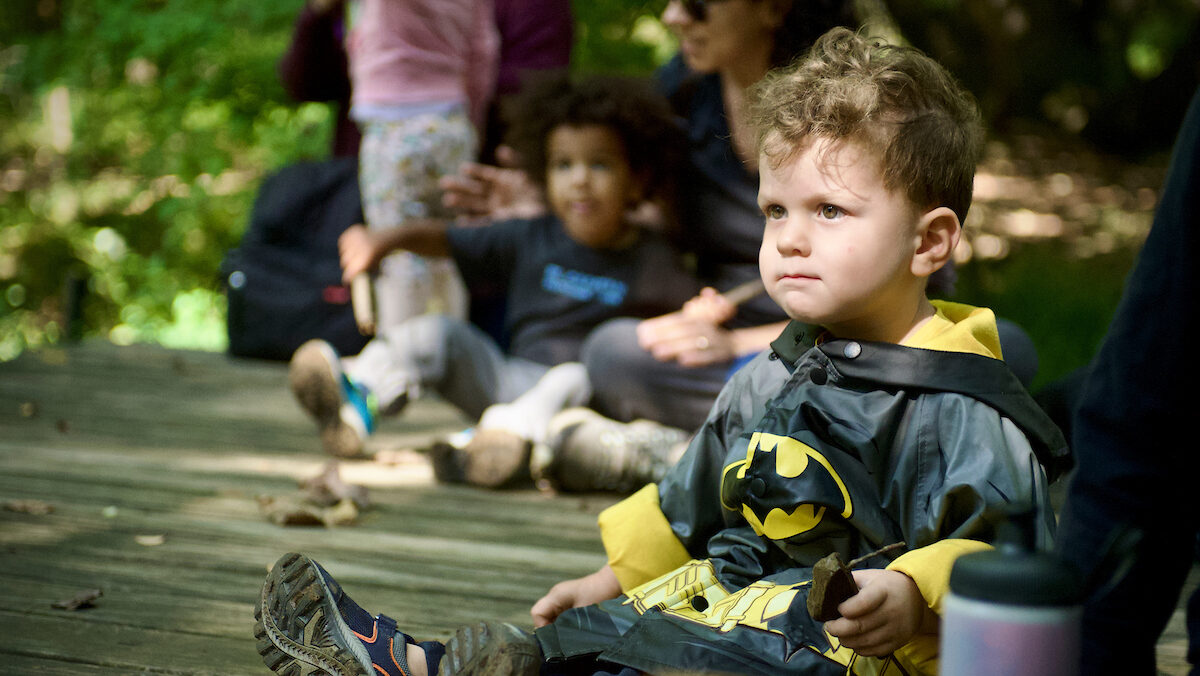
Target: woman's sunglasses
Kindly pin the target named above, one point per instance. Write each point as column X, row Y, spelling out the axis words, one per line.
column 698, row 9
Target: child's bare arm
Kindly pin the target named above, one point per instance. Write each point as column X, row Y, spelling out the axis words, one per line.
column 887, row 612
column 360, row 249
column 584, row 591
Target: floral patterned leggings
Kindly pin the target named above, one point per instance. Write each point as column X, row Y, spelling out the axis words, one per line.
column 400, row 162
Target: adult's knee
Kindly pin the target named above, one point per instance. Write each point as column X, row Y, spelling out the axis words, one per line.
column 611, row 353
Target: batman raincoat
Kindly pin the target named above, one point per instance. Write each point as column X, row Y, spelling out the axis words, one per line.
column 844, row 447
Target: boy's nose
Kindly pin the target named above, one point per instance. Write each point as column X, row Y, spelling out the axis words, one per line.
column 793, row 238
column 675, row 15
column 578, row 174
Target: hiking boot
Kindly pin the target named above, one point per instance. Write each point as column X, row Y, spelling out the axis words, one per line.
column 492, row 458
column 490, row 648
column 588, row 452
column 304, row 621
column 342, row 408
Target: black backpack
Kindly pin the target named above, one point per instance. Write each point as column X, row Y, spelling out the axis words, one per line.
column 284, row 282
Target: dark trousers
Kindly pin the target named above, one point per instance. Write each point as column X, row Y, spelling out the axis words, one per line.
column 1138, row 461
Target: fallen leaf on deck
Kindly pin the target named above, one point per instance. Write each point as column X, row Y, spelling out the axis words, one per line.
column 290, row 511
column 344, row 513
column 150, row 540
column 328, row 489
column 37, row 507
column 84, row 599
column 28, row 409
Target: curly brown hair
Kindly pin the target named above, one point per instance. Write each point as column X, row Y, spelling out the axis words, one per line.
column 654, row 142
column 895, row 101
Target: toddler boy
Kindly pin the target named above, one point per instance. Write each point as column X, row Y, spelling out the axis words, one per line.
column 877, row 417
column 600, row 147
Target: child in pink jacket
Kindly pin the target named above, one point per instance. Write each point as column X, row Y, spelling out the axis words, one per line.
column 422, row 75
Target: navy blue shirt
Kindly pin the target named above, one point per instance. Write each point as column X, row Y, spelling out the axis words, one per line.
column 718, row 196
column 558, row 290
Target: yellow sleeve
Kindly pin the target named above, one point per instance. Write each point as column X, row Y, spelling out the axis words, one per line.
column 930, row 566
column 638, row 539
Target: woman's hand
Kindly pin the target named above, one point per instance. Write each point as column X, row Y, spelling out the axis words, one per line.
column 887, row 612
column 584, row 591
column 690, row 341
column 710, row 306
column 495, row 192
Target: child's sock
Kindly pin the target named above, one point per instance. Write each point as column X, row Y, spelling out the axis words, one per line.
column 528, row 416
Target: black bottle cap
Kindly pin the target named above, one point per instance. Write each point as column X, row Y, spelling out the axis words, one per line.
column 1015, row 573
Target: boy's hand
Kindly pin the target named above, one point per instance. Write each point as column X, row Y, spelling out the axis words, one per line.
column 494, row 192
column 689, row 341
column 359, row 251
column 584, row 591
column 887, row 612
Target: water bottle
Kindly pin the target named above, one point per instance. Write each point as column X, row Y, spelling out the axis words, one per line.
column 1012, row 611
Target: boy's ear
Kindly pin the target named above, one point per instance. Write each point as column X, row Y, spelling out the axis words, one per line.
column 938, row 231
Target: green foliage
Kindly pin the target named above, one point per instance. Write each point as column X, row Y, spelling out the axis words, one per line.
column 1063, row 301
column 135, row 134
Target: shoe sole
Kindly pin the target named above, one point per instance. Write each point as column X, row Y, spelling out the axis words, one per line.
column 491, row 648
column 292, row 624
column 496, row 458
column 316, row 386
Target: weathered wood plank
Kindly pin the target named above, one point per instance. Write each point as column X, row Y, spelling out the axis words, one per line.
column 145, row 441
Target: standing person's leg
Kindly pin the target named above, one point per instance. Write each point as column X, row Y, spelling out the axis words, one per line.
column 1134, row 466
column 400, row 164
column 629, row 383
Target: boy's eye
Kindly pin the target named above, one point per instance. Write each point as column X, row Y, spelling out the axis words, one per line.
column 775, row 212
column 829, row 211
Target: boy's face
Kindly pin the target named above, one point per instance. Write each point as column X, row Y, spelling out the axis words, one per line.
column 589, row 183
column 838, row 246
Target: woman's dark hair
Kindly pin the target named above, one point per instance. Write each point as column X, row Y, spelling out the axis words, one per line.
column 653, row 140
column 806, row 21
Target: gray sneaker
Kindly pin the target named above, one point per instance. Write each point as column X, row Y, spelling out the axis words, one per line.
column 489, row 648
column 588, row 452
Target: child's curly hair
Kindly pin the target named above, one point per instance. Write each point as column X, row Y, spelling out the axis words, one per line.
column 653, row 140
column 900, row 104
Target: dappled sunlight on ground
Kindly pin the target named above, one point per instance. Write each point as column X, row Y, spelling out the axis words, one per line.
column 1037, row 188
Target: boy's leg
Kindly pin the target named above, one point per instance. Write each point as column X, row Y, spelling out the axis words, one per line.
column 448, row 355
column 528, row 416
column 342, row 409
column 304, row 620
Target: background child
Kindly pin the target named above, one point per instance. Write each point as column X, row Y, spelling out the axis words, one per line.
column 900, row 424
column 422, row 74
column 600, row 146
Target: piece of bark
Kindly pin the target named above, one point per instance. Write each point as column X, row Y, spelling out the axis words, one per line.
column 29, row 506
column 832, row 583
column 327, row 488
column 84, row 599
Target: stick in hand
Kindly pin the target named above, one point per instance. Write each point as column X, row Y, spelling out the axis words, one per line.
column 361, row 298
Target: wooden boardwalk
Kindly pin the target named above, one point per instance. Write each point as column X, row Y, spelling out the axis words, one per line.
column 153, row 461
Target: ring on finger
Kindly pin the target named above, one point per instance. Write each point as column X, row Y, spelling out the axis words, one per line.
column 702, row 343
